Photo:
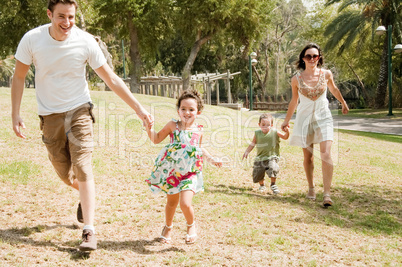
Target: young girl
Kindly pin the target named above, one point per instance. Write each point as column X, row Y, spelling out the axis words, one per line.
column 178, row 167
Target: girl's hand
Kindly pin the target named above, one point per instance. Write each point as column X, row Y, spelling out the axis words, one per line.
column 245, row 155
column 145, row 126
column 345, row 109
column 216, row 162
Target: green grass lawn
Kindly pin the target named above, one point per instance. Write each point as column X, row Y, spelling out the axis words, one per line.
column 372, row 113
column 237, row 226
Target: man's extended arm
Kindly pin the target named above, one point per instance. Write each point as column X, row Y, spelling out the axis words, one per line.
column 17, row 89
column 120, row 88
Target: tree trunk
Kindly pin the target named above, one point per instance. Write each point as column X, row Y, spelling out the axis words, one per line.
column 105, row 52
column 260, row 82
column 263, row 83
column 398, row 31
column 82, row 21
column 277, row 71
column 186, row 75
column 360, row 81
column 135, row 56
column 381, row 91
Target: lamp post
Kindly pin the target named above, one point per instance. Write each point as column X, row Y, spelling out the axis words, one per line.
column 251, row 62
column 398, row 49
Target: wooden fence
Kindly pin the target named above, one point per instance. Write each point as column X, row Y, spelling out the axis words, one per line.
column 172, row 86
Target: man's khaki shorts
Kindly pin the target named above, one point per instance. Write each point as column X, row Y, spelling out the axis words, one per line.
column 68, row 137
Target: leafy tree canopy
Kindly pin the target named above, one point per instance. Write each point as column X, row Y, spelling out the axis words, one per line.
column 16, row 18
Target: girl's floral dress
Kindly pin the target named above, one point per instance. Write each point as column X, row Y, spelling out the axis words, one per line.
column 178, row 166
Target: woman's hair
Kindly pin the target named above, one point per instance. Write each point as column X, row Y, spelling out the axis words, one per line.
column 52, row 3
column 300, row 63
column 191, row 94
column 266, row 116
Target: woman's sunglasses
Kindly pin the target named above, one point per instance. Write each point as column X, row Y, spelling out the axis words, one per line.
column 311, row 57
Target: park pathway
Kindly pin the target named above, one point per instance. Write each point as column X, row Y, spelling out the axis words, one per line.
column 385, row 126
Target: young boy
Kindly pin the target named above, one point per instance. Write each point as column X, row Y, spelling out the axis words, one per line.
column 266, row 161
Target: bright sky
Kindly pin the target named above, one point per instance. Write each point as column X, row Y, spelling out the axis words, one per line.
column 309, row 4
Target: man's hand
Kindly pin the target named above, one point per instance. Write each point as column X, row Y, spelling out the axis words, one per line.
column 18, row 123
column 17, row 89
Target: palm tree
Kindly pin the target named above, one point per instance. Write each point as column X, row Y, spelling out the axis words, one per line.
column 7, row 66
column 356, row 23
column 6, row 71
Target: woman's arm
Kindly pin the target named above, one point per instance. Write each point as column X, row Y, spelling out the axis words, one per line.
column 335, row 91
column 292, row 104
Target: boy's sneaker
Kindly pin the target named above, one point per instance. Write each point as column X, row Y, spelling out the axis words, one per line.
column 262, row 188
column 275, row 189
column 80, row 218
column 88, row 240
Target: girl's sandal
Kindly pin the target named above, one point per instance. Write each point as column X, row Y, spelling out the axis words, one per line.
column 164, row 239
column 189, row 237
column 311, row 193
column 327, row 200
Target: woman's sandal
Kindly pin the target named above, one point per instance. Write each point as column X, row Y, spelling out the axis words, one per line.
column 163, row 238
column 311, row 193
column 193, row 236
column 327, row 200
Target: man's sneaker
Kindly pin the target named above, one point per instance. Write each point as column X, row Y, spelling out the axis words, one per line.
column 80, row 218
column 262, row 188
column 275, row 189
column 88, row 240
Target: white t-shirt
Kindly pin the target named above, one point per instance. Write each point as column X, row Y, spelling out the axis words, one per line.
column 60, row 67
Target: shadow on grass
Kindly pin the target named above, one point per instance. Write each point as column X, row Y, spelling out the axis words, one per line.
column 139, row 246
column 369, row 209
column 21, row 236
column 233, row 190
